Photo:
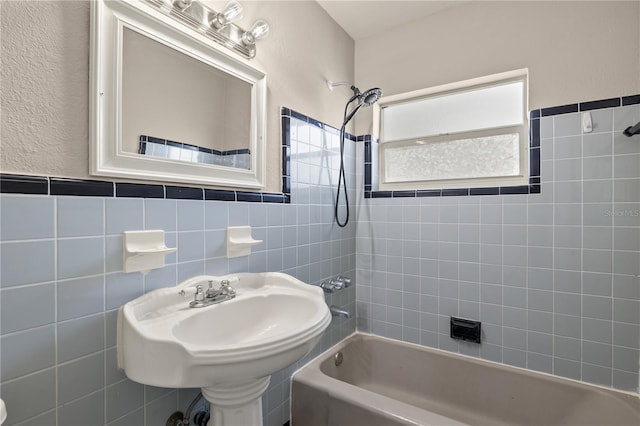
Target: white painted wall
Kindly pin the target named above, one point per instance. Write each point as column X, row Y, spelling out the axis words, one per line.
column 575, row 51
column 44, row 48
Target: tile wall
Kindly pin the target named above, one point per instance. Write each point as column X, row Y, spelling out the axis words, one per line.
column 61, row 283
column 554, row 277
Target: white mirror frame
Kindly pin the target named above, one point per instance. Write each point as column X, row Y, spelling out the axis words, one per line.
column 108, row 19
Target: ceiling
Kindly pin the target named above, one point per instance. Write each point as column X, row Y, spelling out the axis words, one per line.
column 363, row 18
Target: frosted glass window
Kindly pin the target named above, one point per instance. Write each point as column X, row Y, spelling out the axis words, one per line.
column 472, row 133
column 478, row 109
column 480, row 157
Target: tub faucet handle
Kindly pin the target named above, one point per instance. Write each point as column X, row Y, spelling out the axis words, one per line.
column 330, row 286
column 346, row 281
column 334, row 284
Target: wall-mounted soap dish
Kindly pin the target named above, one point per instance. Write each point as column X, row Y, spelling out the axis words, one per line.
column 240, row 241
column 144, row 250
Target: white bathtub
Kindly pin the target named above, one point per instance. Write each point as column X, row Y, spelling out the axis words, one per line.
column 386, row 382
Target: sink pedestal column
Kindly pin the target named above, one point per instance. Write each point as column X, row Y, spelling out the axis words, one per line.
column 236, row 404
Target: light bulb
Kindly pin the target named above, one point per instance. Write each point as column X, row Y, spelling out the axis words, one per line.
column 182, row 4
column 232, row 12
column 259, row 30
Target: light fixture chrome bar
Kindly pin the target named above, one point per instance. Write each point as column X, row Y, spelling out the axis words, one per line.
column 197, row 16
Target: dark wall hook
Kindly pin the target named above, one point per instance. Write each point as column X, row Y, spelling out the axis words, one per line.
column 632, row 130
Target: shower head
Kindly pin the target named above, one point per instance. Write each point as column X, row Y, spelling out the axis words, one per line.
column 366, row 99
column 371, row 96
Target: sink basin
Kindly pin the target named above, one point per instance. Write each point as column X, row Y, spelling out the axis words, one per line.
column 255, row 321
column 229, row 349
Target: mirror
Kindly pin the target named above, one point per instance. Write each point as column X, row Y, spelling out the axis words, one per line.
column 176, row 107
column 170, row 105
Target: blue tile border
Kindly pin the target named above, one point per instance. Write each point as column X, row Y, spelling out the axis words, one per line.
column 138, row 190
column 43, row 185
column 429, row 193
column 585, row 106
column 495, row 190
column 534, row 186
column 80, row 187
column 557, row 110
column 20, row 184
column 534, row 133
column 219, row 195
column 456, row 192
column 403, row 194
column 183, row 193
column 275, row 198
column 604, row 103
column 252, row 197
column 630, row 100
column 521, row 189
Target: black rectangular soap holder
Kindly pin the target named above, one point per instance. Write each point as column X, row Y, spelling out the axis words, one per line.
column 464, row 329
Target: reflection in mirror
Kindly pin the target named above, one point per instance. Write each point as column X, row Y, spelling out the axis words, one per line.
column 179, row 108
column 172, row 150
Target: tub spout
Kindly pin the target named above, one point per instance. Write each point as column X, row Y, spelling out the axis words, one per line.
column 339, row 312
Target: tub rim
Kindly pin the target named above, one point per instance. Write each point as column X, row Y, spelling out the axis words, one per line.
column 359, row 335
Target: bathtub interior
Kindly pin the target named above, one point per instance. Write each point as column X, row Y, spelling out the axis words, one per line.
column 470, row 390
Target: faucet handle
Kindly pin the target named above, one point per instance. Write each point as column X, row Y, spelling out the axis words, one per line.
column 199, row 296
column 187, row 292
column 345, row 280
column 335, row 284
column 225, row 288
column 328, row 286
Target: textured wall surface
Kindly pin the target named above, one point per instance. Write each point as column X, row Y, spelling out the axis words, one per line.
column 61, row 283
column 45, row 79
column 554, row 277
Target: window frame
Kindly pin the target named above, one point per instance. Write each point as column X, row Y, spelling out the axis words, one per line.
column 443, row 90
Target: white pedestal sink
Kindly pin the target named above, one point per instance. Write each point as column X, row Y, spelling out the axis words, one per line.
column 228, row 349
column 3, row 412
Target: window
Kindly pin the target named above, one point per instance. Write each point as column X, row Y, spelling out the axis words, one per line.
column 468, row 134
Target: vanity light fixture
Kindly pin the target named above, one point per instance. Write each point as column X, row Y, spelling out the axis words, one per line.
column 217, row 26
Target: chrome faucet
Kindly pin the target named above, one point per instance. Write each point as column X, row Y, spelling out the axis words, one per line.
column 335, row 284
column 212, row 295
column 339, row 312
